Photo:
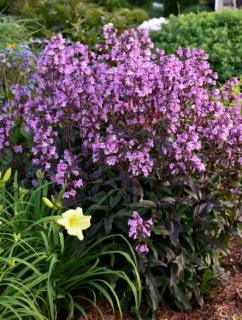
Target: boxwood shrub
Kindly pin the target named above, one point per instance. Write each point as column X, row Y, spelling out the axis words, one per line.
column 218, row 33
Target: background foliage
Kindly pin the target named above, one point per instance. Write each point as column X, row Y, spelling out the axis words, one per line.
column 14, row 32
column 219, row 34
column 184, row 6
column 78, row 20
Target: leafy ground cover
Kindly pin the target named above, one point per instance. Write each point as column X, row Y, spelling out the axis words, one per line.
column 226, row 304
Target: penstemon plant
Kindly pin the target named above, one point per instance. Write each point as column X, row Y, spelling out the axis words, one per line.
column 128, row 107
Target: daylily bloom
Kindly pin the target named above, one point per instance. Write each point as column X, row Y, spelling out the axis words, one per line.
column 75, row 222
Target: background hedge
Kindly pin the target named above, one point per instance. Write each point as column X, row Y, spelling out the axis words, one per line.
column 218, row 33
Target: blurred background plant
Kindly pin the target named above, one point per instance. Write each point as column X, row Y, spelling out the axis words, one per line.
column 75, row 19
column 46, row 274
column 185, row 6
column 83, row 19
column 218, row 33
column 17, row 63
column 15, row 31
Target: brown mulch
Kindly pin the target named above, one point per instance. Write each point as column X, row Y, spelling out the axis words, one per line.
column 227, row 305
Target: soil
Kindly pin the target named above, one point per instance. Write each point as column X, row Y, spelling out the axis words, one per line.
column 227, row 305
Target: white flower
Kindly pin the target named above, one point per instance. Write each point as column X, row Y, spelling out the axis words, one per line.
column 153, row 24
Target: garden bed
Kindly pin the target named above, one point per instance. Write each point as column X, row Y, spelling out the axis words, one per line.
column 120, row 168
column 228, row 302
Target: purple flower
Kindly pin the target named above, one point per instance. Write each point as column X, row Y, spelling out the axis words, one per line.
column 18, row 149
column 142, row 248
column 235, row 190
column 139, row 228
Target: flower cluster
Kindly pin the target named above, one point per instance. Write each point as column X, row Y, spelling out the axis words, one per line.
column 67, row 170
column 127, row 105
column 140, row 229
column 153, row 24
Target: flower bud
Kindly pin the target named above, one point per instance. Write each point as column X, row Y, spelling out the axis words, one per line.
column 7, row 175
column 47, row 202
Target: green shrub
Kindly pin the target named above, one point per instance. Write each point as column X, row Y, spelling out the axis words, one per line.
column 46, row 274
column 78, row 20
column 219, row 34
column 124, row 18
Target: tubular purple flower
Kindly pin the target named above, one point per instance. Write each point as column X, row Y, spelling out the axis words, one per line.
column 139, row 228
column 142, row 248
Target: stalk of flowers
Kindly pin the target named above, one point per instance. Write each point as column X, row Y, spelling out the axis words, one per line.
column 140, row 230
column 16, row 64
column 131, row 106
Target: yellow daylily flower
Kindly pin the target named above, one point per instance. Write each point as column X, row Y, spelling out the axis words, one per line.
column 75, row 222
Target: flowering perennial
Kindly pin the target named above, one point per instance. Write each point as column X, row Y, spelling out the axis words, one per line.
column 127, row 105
